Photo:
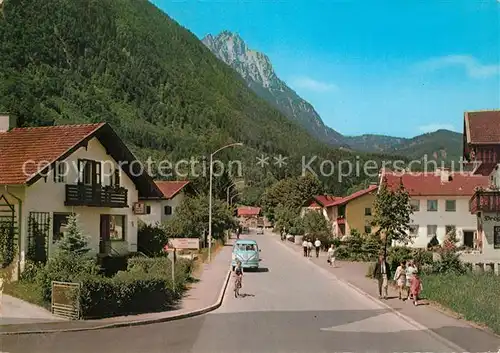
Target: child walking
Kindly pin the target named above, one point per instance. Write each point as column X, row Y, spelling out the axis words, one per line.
column 415, row 288
column 400, row 278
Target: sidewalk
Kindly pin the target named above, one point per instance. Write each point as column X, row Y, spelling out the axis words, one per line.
column 203, row 296
column 455, row 330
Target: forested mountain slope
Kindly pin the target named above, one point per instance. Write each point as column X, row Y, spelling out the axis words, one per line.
column 127, row 63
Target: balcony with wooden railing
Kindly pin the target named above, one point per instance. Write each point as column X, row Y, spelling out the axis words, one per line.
column 96, row 196
column 485, row 201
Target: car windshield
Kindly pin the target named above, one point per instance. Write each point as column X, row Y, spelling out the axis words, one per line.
column 246, row 247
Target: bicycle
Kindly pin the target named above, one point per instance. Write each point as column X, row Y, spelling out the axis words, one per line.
column 237, row 286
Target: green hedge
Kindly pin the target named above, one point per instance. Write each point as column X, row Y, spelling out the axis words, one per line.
column 475, row 296
column 126, row 293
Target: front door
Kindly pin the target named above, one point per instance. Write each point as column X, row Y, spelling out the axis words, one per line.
column 104, row 243
column 469, row 239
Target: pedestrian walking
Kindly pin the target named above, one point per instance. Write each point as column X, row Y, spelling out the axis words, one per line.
column 415, row 288
column 317, row 246
column 305, row 246
column 411, row 269
column 309, row 248
column 382, row 272
column 400, row 278
column 331, row 255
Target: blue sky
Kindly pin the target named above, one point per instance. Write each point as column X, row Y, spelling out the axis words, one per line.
column 396, row 67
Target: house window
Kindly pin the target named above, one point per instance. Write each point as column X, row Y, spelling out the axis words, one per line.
column 450, row 229
column 60, row 224
column 415, row 205
column 414, row 229
column 117, row 227
column 148, row 209
column 431, row 230
column 60, row 171
column 368, row 211
column 496, row 237
column 116, row 178
column 432, row 205
column 89, row 172
column 368, row 230
column 167, row 210
column 451, row 205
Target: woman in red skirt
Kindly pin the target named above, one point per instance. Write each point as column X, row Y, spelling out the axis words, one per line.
column 415, row 288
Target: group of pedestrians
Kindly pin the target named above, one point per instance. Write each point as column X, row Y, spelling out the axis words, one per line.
column 406, row 277
column 308, row 245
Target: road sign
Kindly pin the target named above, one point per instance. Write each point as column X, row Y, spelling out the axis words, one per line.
column 184, row 243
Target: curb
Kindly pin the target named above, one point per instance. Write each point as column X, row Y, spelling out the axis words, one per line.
column 193, row 313
column 405, row 318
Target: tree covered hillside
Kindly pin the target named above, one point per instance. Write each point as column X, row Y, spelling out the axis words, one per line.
column 127, row 63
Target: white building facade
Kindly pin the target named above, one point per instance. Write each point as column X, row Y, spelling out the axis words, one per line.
column 158, row 211
column 81, row 169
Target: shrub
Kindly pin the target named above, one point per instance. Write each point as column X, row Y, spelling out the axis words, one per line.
column 65, row 268
column 449, row 263
column 151, row 239
column 397, row 254
column 126, row 293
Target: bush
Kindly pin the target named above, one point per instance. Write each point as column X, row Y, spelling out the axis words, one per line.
column 397, row 254
column 151, row 239
column 126, row 293
column 449, row 263
column 475, row 296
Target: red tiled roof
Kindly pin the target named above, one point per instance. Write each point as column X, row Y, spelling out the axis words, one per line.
column 171, row 188
column 482, row 127
column 430, row 184
column 248, row 211
column 326, row 200
column 355, row 195
column 37, row 145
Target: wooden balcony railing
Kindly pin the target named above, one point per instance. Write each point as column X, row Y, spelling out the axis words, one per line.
column 96, row 196
column 485, row 201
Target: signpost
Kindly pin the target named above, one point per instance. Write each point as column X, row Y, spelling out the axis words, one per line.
column 179, row 243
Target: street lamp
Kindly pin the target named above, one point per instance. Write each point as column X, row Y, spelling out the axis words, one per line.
column 232, row 197
column 230, row 186
column 210, row 197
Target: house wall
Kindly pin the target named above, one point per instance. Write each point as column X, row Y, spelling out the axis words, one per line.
column 462, row 219
column 489, row 222
column 47, row 196
column 157, row 215
column 495, row 176
column 355, row 213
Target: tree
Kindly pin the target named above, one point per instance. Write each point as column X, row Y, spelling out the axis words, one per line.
column 392, row 214
column 191, row 218
column 73, row 242
column 316, row 226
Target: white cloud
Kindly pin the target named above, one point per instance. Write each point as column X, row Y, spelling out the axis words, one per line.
column 434, row 127
column 471, row 65
column 313, row 85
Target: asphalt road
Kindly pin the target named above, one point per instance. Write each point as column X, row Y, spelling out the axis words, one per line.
column 290, row 305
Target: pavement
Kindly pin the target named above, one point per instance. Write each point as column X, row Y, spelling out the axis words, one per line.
column 15, row 311
column 290, row 305
column 203, row 296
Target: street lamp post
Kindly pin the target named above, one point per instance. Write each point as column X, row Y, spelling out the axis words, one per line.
column 230, row 186
column 210, row 198
column 232, row 197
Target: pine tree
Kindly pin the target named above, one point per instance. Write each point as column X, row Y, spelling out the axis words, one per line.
column 392, row 214
column 74, row 242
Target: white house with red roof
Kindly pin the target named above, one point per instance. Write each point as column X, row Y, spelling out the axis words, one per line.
column 158, row 211
column 440, row 202
column 482, row 152
column 48, row 173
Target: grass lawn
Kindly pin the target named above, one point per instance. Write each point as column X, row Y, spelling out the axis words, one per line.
column 26, row 291
column 474, row 296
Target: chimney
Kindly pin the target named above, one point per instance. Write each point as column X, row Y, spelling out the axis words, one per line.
column 445, row 174
column 7, row 122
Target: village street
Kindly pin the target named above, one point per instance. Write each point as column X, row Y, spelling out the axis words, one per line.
column 289, row 305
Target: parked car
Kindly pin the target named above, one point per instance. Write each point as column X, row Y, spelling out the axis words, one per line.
column 248, row 252
column 260, row 230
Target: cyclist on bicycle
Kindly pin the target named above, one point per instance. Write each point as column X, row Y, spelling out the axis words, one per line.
column 238, row 271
